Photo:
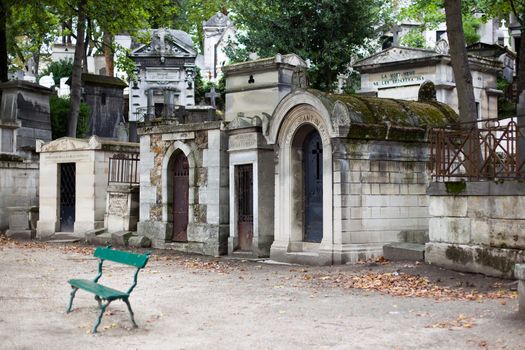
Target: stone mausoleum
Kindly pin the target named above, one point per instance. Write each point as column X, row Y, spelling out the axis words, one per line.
column 290, row 173
column 400, row 71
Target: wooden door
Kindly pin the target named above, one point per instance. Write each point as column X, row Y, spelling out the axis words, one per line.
column 245, row 206
column 180, row 198
column 313, row 187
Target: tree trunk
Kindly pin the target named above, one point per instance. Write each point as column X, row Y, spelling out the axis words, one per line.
column 76, row 77
column 458, row 56
column 4, row 9
column 107, row 47
column 86, row 48
column 520, row 74
column 464, row 88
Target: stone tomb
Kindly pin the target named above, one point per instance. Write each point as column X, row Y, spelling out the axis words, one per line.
column 350, row 174
column 74, row 183
column 184, row 183
column 24, row 117
column 105, row 97
column 400, row 71
column 165, row 72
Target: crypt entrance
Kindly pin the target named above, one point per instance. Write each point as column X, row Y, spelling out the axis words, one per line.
column 179, row 196
column 312, row 154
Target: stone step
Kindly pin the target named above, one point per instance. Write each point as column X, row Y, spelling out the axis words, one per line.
column 404, row 251
column 414, row 236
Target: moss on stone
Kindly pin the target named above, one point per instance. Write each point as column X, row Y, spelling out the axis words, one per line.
column 455, row 187
column 500, row 263
column 401, row 113
column 458, row 254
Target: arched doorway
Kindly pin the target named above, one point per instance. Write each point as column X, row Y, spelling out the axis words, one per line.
column 180, row 197
column 313, row 187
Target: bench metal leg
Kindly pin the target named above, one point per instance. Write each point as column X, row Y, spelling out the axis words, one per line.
column 102, row 310
column 131, row 313
column 73, row 292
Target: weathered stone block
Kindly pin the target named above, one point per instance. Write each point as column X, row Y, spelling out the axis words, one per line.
column 454, row 206
column 139, row 242
column 519, row 272
column 490, row 261
column 404, row 251
column 120, row 238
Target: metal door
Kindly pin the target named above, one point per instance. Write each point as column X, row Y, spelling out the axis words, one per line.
column 67, row 196
column 245, row 206
column 180, row 198
column 313, row 187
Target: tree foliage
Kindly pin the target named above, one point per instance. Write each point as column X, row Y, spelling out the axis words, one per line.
column 60, row 69
column 59, row 109
column 327, row 33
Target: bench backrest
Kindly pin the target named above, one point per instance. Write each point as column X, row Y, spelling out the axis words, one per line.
column 132, row 259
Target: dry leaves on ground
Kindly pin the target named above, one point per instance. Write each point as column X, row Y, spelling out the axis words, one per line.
column 67, row 248
column 402, row 284
column 461, row 321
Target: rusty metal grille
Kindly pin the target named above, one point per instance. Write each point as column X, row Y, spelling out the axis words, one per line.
column 123, row 168
column 245, row 192
column 67, row 184
column 483, row 151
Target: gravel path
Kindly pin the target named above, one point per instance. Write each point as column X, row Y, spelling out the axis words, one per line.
column 188, row 302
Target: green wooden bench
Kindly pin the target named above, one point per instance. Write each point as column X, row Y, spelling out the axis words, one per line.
column 103, row 293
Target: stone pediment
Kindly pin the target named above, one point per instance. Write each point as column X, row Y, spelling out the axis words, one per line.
column 396, row 54
column 65, row 144
column 167, row 43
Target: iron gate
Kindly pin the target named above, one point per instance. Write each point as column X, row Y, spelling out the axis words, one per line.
column 67, row 196
column 245, row 206
column 180, row 198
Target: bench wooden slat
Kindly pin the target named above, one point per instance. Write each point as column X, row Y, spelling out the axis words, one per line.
column 98, row 289
column 132, row 259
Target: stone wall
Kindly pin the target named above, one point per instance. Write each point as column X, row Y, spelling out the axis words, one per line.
column 379, row 194
column 18, row 185
column 477, row 226
column 205, row 146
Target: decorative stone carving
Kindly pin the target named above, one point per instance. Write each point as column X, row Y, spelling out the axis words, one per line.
column 340, row 116
column 442, row 47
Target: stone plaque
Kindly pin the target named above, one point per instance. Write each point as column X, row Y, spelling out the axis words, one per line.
column 178, row 136
column 163, row 75
column 243, row 141
column 402, row 77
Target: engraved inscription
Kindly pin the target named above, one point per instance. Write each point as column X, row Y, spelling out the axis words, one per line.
column 243, row 141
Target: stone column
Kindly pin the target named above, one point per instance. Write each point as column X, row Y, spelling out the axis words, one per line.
column 150, row 109
column 519, row 273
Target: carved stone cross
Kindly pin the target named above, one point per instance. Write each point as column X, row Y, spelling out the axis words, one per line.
column 212, row 95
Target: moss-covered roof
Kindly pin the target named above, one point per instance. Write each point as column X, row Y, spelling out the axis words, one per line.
column 401, row 113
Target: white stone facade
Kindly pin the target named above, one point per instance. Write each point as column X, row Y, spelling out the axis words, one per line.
column 398, row 72
column 91, row 159
column 477, row 227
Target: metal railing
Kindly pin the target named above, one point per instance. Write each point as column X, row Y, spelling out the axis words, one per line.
column 123, row 168
column 164, row 111
column 487, row 150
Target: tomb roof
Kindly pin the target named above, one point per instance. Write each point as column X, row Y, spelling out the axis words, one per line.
column 396, row 57
column 401, row 113
column 291, row 60
column 167, row 42
column 97, row 79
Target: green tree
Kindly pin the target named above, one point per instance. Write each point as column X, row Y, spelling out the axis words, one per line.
column 192, row 13
column 98, row 19
column 60, row 69
column 414, row 38
column 327, row 33
column 59, row 109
